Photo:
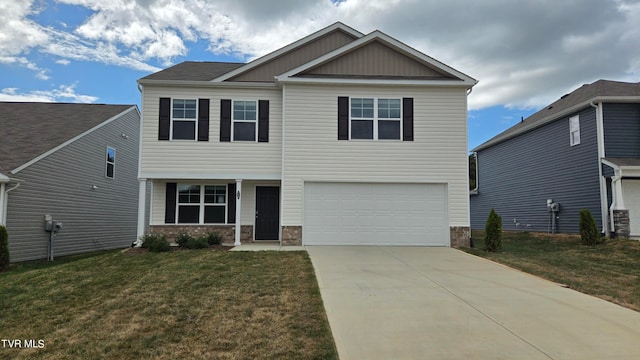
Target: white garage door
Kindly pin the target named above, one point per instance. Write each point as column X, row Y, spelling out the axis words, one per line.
column 375, row 214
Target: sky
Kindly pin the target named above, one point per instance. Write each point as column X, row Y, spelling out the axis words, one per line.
column 525, row 54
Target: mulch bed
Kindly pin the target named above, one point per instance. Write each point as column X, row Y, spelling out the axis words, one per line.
column 139, row 250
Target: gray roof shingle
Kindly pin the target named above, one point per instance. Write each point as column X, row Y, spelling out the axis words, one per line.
column 581, row 95
column 30, row 129
column 194, row 71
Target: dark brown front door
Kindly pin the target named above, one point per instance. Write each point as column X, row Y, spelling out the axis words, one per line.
column 267, row 213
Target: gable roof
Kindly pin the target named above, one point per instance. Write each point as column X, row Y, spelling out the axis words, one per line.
column 438, row 73
column 32, row 129
column 599, row 91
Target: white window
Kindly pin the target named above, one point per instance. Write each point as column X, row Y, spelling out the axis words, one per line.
column 202, row 204
column 245, row 121
column 184, row 116
column 375, row 119
column 574, row 130
column 111, row 162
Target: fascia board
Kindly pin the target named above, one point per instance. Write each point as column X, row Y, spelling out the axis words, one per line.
column 205, row 176
column 287, row 48
column 467, row 80
column 53, row 150
column 402, row 82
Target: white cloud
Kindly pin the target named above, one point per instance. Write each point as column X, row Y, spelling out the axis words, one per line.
column 63, row 62
column 64, row 93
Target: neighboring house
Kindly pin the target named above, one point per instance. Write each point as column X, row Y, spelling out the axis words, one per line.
column 582, row 151
column 75, row 162
column 337, row 138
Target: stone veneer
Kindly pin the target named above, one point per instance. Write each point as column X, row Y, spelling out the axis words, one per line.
column 228, row 232
column 621, row 223
column 291, row 235
column 460, row 236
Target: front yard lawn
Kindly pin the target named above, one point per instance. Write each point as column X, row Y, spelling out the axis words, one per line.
column 610, row 271
column 197, row 304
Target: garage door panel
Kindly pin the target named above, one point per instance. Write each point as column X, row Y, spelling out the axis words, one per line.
column 375, row 214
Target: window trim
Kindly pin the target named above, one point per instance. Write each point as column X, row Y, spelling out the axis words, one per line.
column 194, row 120
column 112, row 163
column 376, row 118
column 202, row 204
column 574, row 130
column 256, row 121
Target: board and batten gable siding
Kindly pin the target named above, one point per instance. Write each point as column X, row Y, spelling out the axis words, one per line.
column 210, row 159
column 517, row 176
column 61, row 185
column 248, row 202
column 621, row 124
column 312, row 151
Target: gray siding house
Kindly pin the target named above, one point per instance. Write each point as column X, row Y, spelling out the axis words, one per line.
column 582, row 151
column 75, row 162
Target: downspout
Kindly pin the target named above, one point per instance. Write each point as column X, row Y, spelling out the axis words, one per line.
column 604, row 210
column 5, row 200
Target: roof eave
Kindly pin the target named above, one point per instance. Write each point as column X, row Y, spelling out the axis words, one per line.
column 597, row 99
column 208, row 84
column 363, row 81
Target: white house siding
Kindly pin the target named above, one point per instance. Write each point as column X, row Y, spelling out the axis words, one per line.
column 210, row 159
column 312, row 152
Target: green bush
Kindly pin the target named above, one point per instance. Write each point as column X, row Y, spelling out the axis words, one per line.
column 155, row 242
column 183, row 239
column 493, row 232
column 4, row 248
column 588, row 230
column 213, row 238
column 197, row 243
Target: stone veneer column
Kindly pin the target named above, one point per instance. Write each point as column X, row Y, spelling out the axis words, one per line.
column 291, row 235
column 460, row 236
column 621, row 223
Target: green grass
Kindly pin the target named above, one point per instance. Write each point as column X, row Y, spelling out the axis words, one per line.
column 197, row 304
column 610, row 270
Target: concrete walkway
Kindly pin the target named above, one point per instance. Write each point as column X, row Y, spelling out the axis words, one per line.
column 441, row 303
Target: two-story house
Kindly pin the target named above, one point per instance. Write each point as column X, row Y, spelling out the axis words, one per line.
column 580, row 152
column 337, row 138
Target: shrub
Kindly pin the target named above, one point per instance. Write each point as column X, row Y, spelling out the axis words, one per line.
column 197, row 243
column 155, row 242
column 588, row 229
column 493, row 232
column 4, row 248
column 213, row 238
column 183, row 239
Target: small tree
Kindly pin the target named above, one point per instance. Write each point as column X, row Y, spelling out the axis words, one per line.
column 4, row 248
column 493, row 232
column 588, row 229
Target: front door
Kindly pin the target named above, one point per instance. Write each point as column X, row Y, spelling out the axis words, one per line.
column 267, row 213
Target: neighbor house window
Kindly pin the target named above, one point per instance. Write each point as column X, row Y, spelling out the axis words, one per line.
column 111, row 162
column 202, row 204
column 375, row 119
column 184, row 119
column 574, row 130
column 245, row 120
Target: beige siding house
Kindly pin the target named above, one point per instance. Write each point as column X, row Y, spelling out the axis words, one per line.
column 339, row 138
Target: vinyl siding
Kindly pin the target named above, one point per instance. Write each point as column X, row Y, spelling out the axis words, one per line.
column 313, row 153
column 210, row 159
column 622, row 130
column 516, row 177
column 61, row 185
column 248, row 202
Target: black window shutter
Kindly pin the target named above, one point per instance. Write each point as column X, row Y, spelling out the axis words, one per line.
column 225, row 120
column 164, row 119
column 170, row 204
column 263, row 121
column 231, row 197
column 203, row 120
column 343, row 118
column 407, row 119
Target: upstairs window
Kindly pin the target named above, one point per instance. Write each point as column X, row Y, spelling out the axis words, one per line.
column 111, row 162
column 376, row 119
column 245, row 120
column 184, row 119
column 574, row 130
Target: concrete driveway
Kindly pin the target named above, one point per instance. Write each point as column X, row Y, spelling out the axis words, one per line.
column 441, row 303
